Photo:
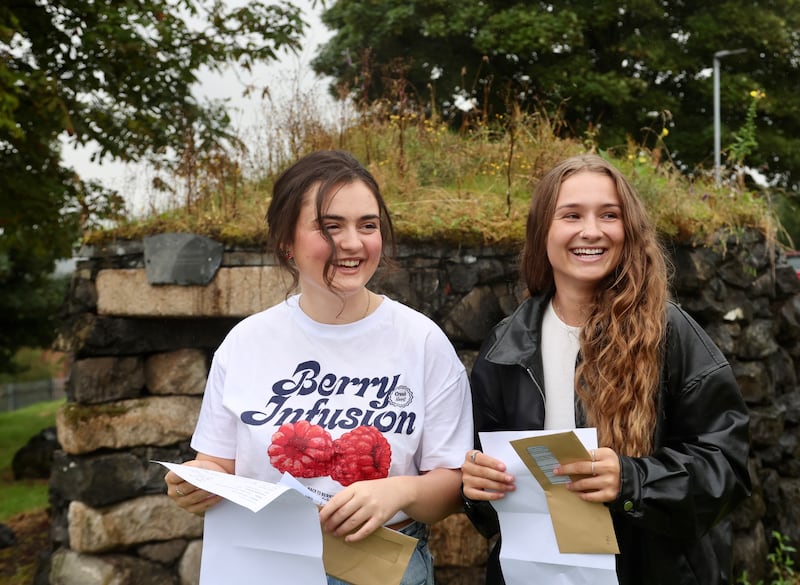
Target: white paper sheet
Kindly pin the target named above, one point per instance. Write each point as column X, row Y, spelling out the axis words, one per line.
column 529, row 552
column 244, row 533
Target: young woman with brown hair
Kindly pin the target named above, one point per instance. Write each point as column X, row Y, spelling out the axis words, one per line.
column 361, row 398
column 598, row 343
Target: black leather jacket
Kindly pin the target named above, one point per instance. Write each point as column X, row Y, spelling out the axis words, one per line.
column 671, row 513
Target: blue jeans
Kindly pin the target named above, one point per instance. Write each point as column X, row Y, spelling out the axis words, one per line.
column 420, row 567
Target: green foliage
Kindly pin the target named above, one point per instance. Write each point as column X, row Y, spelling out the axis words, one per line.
column 788, row 209
column 34, row 364
column 118, row 75
column 16, row 429
column 121, row 74
column 744, row 139
column 30, row 299
column 781, row 563
column 607, row 67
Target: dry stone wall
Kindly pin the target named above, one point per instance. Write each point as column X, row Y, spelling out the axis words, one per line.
column 141, row 355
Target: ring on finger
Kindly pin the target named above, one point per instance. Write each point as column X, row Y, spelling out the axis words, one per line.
column 593, row 473
column 179, row 492
column 473, row 455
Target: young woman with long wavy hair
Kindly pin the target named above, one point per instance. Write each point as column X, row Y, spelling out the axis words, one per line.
column 598, row 343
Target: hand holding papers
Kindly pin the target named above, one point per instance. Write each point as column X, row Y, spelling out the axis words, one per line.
column 245, row 537
column 580, row 526
column 530, row 549
column 271, row 532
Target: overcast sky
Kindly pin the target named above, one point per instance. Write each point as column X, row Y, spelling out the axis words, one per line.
column 132, row 181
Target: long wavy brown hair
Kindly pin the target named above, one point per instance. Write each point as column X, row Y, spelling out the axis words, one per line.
column 621, row 342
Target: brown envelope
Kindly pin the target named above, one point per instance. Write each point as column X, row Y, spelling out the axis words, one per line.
column 580, row 527
column 379, row 559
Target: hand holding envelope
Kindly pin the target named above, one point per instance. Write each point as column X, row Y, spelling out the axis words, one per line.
column 533, row 529
column 580, row 526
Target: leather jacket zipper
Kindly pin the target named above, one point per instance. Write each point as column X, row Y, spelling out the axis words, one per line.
column 536, row 383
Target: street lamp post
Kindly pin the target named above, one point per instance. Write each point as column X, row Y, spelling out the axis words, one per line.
column 717, row 56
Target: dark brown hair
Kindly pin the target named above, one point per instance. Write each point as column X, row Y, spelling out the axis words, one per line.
column 319, row 175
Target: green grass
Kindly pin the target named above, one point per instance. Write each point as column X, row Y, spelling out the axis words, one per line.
column 16, row 429
column 34, row 364
column 470, row 187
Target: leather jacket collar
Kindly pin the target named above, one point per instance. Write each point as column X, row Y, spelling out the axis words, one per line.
column 517, row 337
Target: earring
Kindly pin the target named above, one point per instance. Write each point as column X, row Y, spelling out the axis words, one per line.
column 287, row 254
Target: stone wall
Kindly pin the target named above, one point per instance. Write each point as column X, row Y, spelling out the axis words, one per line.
column 141, row 354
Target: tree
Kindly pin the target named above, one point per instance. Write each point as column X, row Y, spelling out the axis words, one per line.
column 616, row 71
column 116, row 74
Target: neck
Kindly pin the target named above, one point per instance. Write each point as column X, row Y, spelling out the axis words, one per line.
column 573, row 313
column 335, row 310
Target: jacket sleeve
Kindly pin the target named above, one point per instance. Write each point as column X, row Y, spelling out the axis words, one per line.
column 698, row 471
column 485, row 416
column 486, row 382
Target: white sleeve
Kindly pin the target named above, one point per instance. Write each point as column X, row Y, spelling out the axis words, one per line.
column 215, row 433
column 448, row 427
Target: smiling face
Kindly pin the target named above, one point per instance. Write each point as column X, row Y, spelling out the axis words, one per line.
column 351, row 218
column 586, row 235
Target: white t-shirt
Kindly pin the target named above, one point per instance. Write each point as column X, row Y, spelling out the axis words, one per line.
column 559, row 351
column 394, row 370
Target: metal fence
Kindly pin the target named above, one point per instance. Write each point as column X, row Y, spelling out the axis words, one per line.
column 22, row 394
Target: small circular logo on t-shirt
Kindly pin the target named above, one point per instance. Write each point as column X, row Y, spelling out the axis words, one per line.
column 401, row 396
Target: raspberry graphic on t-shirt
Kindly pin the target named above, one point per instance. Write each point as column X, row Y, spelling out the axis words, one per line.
column 363, row 453
column 302, row 449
